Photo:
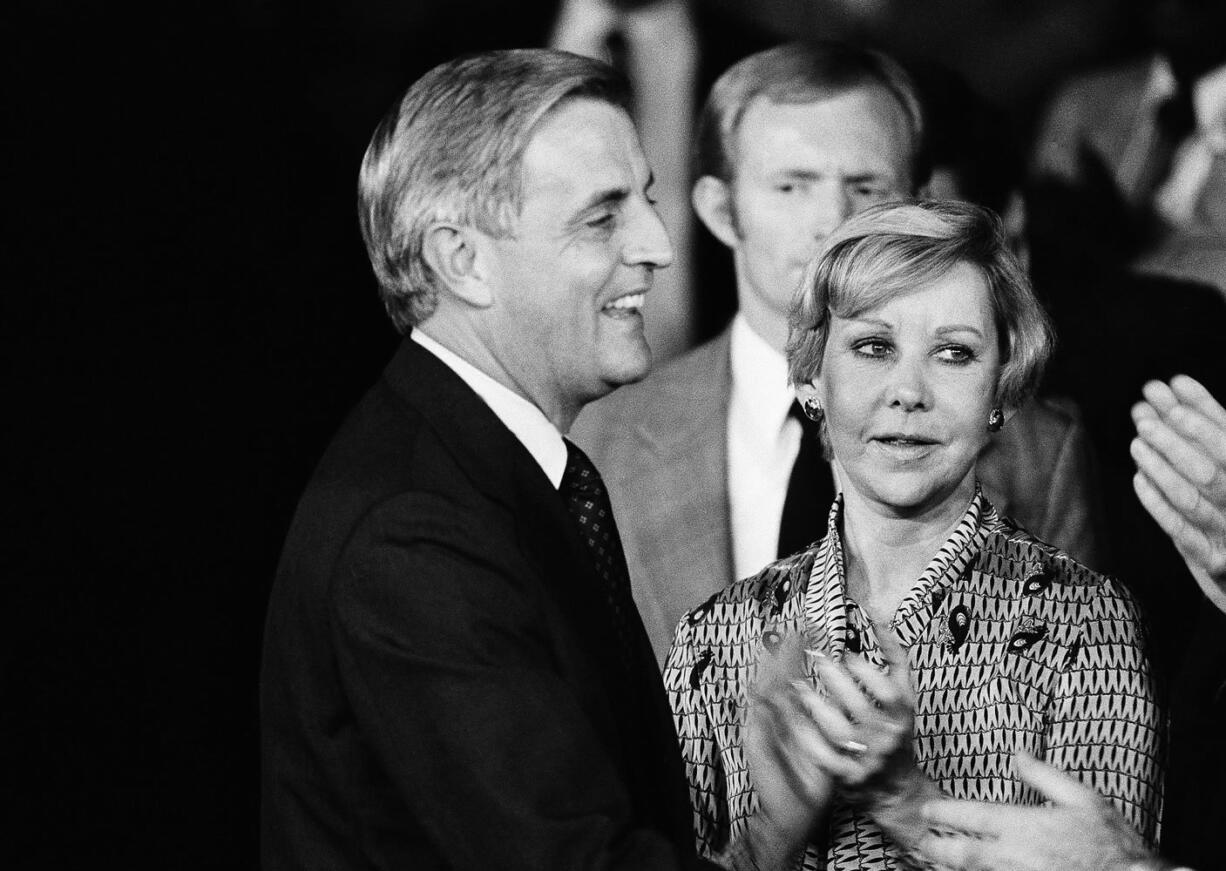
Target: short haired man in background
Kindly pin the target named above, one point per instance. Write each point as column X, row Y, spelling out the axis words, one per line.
column 705, row 461
column 454, row 675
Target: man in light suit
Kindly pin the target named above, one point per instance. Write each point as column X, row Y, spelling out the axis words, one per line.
column 454, row 675
column 792, row 141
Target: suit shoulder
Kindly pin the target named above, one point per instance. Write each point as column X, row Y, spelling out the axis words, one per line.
column 1047, row 414
column 1127, row 77
column 1094, row 109
column 382, row 459
column 1038, row 433
column 1093, row 94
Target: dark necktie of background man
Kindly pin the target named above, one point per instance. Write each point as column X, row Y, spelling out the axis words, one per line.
column 810, row 490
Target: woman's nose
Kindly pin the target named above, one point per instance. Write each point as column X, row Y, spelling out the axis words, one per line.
column 908, row 388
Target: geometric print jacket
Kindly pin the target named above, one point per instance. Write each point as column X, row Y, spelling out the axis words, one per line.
column 1012, row 645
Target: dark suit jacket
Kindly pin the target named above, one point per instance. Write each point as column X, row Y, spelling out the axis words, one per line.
column 440, row 686
column 662, row 447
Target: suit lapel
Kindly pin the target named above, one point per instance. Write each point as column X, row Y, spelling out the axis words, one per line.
column 501, row 468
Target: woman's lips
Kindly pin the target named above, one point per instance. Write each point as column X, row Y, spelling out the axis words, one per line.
column 894, row 438
column 904, row 447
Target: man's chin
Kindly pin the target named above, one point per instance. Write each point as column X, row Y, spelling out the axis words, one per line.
column 629, row 368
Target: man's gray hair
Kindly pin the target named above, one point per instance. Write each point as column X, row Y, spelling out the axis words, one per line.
column 452, row 150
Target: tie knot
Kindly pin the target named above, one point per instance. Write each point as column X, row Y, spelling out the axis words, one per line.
column 580, row 475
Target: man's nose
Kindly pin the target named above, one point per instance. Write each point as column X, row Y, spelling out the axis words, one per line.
column 831, row 207
column 647, row 242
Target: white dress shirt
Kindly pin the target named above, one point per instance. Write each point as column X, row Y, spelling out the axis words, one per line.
column 527, row 422
column 763, row 443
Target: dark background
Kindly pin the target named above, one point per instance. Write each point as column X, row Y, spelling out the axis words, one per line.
column 187, row 316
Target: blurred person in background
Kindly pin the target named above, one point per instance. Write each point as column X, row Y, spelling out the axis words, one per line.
column 1143, row 147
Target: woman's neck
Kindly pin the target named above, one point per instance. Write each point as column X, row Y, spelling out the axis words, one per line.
column 885, row 554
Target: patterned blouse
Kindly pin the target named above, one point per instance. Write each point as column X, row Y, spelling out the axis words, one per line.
column 1012, row 645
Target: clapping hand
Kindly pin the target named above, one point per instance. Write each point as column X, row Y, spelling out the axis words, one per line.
column 793, row 790
column 866, row 720
column 803, row 744
column 1180, row 452
column 1081, row 831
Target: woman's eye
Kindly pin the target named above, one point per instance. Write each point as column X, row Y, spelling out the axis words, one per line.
column 956, row 354
column 872, row 348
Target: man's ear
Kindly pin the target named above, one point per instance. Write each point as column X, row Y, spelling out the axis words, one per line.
column 712, row 199
column 460, row 257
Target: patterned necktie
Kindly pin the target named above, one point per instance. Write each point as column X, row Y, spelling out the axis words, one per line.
column 810, row 490
column 588, row 503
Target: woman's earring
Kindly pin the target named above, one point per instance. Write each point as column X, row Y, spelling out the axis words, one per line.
column 996, row 419
column 813, row 409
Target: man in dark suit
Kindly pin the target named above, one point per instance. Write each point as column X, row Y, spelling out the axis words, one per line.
column 454, row 675
column 702, row 459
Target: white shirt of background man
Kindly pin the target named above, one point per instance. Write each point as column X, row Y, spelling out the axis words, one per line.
column 763, row 443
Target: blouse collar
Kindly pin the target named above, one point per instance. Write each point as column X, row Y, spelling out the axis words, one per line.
column 825, row 604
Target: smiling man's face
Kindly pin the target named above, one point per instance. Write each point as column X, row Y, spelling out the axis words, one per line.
column 574, row 273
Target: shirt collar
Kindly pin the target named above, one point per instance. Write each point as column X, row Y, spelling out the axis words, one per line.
column 525, row 421
column 759, row 376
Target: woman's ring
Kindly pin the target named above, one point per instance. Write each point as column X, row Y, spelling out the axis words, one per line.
column 853, row 748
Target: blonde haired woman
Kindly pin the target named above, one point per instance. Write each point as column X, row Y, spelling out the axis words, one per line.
column 940, row 639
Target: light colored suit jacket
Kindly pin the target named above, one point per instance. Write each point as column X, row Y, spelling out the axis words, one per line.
column 662, row 448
